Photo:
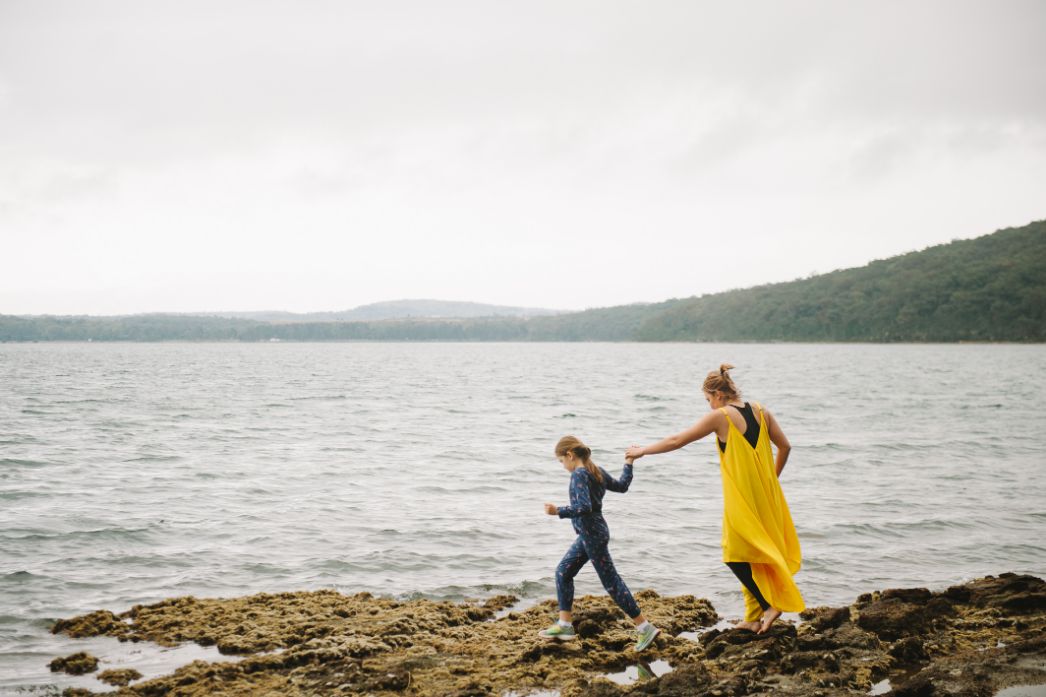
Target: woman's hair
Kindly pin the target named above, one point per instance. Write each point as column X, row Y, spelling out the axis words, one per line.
column 720, row 381
column 570, row 444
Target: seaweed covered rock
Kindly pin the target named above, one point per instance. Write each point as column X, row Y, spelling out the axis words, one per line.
column 75, row 664
column 120, row 677
column 969, row 640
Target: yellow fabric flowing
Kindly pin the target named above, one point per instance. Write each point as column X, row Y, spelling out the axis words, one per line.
column 757, row 527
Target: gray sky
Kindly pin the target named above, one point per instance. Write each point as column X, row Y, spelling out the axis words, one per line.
column 179, row 156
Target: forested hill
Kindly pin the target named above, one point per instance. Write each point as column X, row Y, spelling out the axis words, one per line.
column 991, row 288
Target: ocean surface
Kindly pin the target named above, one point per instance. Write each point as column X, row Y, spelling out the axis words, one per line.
column 135, row 472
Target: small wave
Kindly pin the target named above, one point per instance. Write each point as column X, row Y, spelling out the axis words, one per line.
column 463, row 489
column 650, row 398
column 121, row 534
column 524, row 589
column 154, row 458
column 18, row 495
column 568, row 415
column 320, row 398
column 14, row 462
column 20, row 577
column 459, row 535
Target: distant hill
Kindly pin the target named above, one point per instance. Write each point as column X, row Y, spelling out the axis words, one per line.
column 992, row 288
column 392, row 309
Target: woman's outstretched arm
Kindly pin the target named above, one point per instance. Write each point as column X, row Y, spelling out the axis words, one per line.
column 708, row 423
column 778, row 438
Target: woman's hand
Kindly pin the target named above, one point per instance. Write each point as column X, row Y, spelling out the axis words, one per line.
column 634, row 453
column 551, row 509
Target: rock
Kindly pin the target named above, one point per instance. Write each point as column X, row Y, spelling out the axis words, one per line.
column 98, row 623
column 821, row 618
column 587, row 629
column 75, row 664
column 893, row 618
column 120, row 677
column 969, row 640
column 910, row 650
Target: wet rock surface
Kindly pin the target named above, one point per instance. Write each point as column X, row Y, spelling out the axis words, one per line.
column 970, row 641
column 75, row 664
column 120, row 677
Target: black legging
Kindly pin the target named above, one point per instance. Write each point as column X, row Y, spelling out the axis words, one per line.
column 743, row 571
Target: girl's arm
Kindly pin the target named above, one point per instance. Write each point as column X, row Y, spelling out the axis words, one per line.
column 778, row 438
column 581, row 503
column 619, row 485
column 708, row 423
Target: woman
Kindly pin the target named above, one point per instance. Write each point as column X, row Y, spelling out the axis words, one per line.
column 759, row 541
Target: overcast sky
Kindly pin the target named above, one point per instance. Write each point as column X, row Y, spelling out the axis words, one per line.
column 249, row 155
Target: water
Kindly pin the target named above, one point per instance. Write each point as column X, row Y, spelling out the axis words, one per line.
column 135, row 472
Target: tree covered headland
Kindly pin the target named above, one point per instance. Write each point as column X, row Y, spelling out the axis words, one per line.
column 992, row 288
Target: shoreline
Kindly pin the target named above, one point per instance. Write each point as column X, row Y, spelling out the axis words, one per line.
column 971, row 639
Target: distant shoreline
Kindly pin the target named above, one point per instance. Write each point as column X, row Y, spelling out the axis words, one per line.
column 988, row 289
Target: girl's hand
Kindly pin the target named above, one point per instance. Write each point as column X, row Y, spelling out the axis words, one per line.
column 634, row 453
column 551, row 509
column 629, row 460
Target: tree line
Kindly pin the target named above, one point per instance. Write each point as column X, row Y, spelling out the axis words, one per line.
column 992, row 288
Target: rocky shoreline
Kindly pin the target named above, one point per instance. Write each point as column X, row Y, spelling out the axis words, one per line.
column 971, row 640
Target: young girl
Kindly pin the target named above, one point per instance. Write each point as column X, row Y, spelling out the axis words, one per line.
column 588, row 483
column 759, row 541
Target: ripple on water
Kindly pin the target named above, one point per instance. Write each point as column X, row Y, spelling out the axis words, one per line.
column 15, row 462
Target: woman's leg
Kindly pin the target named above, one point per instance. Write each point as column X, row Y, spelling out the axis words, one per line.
column 568, row 567
column 755, row 603
column 753, row 611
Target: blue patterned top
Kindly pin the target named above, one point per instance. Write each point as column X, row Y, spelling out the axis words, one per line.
column 586, row 499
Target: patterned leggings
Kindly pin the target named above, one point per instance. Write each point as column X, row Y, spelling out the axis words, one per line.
column 595, row 551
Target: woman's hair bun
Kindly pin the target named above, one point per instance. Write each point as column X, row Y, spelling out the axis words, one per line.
column 723, row 367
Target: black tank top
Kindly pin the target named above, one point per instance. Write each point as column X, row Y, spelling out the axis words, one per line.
column 751, row 433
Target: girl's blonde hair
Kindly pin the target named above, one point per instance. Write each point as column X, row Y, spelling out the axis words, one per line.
column 571, row 444
column 721, row 382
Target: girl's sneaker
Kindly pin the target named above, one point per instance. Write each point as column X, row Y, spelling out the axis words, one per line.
column 644, row 637
column 558, row 631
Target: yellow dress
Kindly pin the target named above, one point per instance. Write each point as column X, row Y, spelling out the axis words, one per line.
column 757, row 527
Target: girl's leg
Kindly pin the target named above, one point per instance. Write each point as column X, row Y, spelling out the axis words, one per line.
column 568, row 567
column 613, row 584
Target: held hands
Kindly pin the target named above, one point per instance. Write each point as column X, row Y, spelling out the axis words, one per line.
column 634, row 453
column 551, row 509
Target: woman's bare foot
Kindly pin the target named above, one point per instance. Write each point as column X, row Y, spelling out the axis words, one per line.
column 768, row 619
column 752, row 626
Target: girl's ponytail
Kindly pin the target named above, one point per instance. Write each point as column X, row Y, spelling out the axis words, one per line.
column 571, row 444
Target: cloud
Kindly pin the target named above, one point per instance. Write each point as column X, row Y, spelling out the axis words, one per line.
column 476, row 151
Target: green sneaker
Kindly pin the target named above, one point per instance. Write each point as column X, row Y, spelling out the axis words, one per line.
column 644, row 638
column 558, row 631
